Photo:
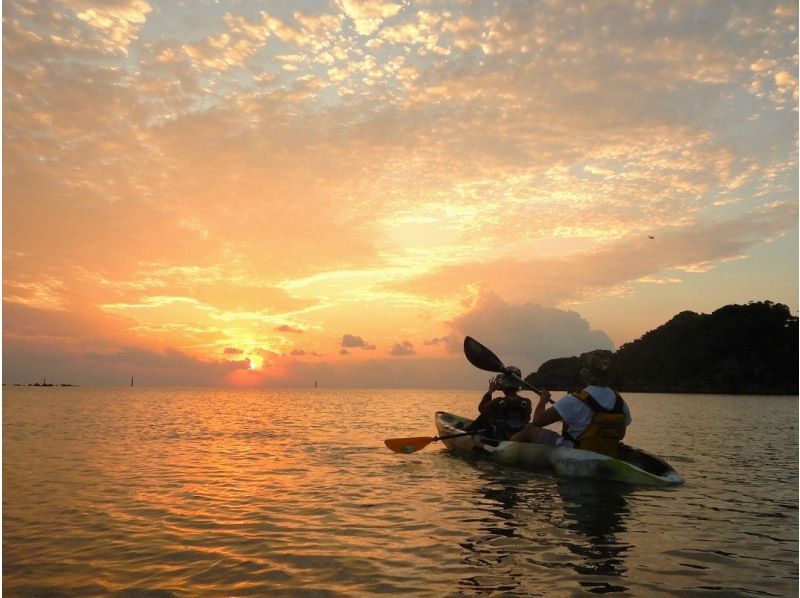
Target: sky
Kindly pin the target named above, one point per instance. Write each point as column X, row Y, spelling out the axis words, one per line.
column 274, row 193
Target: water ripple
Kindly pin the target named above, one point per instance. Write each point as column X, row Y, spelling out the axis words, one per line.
column 235, row 493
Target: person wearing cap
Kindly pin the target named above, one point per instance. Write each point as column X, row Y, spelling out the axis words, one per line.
column 594, row 418
column 505, row 415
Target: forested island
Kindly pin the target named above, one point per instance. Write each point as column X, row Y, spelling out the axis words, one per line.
column 737, row 349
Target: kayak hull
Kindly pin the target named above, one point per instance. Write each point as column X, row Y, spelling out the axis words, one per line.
column 632, row 466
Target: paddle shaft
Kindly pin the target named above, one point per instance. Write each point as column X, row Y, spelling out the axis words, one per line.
column 412, row 445
column 458, row 434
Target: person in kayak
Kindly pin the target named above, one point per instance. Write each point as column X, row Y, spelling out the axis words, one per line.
column 594, row 418
column 506, row 415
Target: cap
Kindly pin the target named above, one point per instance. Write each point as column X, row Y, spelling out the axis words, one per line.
column 595, row 366
column 507, row 381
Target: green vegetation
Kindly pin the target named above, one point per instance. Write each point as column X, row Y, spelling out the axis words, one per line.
column 737, row 349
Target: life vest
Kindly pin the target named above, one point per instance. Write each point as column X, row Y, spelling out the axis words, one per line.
column 606, row 429
column 508, row 415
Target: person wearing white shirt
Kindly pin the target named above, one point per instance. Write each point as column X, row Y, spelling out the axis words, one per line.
column 594, row 418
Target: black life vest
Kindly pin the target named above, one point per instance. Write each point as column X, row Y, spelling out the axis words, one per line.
column 507, row 415
column 606, row 429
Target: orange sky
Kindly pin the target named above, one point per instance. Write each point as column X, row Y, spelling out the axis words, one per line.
column 273, row 193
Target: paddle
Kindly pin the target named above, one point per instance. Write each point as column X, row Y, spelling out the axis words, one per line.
column 483, row 358
column 412, row 445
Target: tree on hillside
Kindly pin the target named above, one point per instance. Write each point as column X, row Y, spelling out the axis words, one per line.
column 737, row 349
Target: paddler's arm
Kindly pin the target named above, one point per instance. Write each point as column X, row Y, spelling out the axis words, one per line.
column 487, row 398
column 544, row 415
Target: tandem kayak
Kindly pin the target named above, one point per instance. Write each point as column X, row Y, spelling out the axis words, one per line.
column 631, row 466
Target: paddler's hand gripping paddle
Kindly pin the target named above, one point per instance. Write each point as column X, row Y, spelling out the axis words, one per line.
column 483, row 358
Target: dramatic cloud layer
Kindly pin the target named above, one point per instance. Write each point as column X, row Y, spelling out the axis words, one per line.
column 253, row 193
column 528, row 334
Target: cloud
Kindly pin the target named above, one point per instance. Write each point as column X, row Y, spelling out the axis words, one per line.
column 352, row 341
column 526, row 334
column 298, row 352
column 45, row 293
column 232, row 47
column 693, row 245
column 119, row 22
column 289, row 329
column 402, row 348
column 232, row 351
column 367, row 15
column 422, row 32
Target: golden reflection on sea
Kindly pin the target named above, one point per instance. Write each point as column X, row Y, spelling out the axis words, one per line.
column 199, row 492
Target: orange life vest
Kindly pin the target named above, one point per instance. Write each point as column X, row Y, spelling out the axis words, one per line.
column 606, row 429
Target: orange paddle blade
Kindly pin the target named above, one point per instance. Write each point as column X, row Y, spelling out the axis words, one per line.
column 408, row 445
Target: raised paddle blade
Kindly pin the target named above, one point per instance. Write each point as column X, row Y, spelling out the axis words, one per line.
column 481, row 357
column 408, row 445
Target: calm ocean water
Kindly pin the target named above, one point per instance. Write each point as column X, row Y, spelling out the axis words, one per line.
column 198, row 492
